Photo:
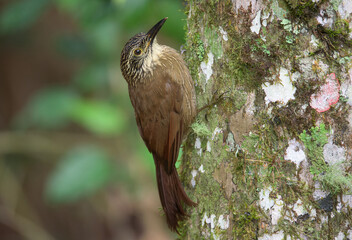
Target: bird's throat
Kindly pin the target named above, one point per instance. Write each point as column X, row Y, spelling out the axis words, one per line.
column 153, row 57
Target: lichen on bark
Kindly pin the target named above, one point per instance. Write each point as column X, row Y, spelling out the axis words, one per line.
column 246, row 143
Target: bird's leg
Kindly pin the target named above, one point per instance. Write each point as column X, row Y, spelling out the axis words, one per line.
column 214, row 100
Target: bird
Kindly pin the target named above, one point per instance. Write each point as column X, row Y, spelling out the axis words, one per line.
column 163, row 96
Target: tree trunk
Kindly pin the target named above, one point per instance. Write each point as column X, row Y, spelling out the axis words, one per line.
column 272, row 159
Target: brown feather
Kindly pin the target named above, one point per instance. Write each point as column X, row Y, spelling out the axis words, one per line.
column 172, row 195
column 164, row 108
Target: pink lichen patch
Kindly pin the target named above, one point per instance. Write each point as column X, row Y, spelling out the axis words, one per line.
column 328, row 94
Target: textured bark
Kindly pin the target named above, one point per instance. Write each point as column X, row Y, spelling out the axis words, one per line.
column 273, row 159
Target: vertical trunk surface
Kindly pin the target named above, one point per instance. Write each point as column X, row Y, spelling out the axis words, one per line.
column 273, row 158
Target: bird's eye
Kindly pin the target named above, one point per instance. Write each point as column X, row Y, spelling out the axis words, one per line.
column 137, row 52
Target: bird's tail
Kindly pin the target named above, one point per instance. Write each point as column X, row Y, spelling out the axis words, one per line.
column 171, row 195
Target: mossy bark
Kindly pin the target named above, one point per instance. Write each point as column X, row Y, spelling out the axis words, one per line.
column 272, row 159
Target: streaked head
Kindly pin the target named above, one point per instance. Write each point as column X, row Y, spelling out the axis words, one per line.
column 136, row 56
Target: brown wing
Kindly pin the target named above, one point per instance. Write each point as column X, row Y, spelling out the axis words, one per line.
column 158, row 110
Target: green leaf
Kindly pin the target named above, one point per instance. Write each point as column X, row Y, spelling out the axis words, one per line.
column 80, row 173
column 19, row 15
column 49, row 109
column 100, row 117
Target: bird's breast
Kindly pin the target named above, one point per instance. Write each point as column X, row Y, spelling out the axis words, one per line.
column 167, row 87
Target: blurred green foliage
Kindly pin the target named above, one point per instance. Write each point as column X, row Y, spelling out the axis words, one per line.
column 90, row 101
column 49, row 109
column 80, row 172
column 100, row 117
column 21, row 14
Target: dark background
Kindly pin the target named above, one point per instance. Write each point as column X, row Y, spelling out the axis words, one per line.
column 72, row 164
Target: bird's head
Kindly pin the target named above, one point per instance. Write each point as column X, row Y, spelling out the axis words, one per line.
column 137, row 56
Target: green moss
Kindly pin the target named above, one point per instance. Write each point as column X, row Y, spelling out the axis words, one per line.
column 314, row 143
column 213, row 192
column 237, row 64
column 200, row 52
column 337, row 35
column 246, row 220
column 200, row 129
column 213, row 40
column 332, row 178
column 341, row 28
column 279, row 8
column 260, row 45
column 335, row 180
column 195, row 53
column 335, row 4
column 250, row 143
column 303, row 8
column 306, row 11
column 241, row 64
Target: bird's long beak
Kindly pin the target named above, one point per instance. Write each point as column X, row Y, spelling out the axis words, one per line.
column 154, row 30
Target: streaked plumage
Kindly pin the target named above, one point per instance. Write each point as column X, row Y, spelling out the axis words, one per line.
column 162, row 94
